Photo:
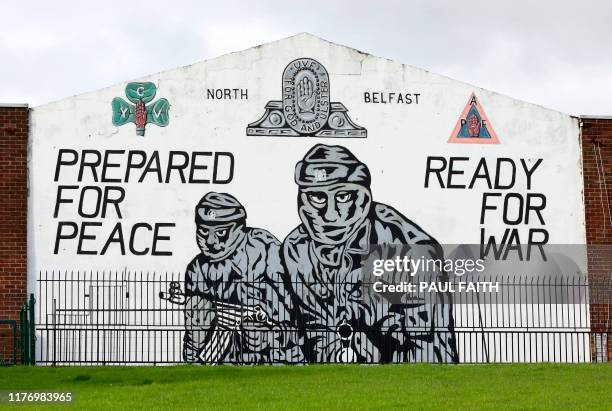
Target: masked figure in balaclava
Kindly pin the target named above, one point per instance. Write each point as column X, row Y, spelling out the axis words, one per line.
column 324, row 260
column 235, row 305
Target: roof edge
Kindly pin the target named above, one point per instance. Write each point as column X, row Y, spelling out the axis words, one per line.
column 592, row 117
column 14, row 105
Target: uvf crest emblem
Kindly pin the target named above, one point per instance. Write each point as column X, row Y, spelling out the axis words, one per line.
column 305, row 108
column 306, row 95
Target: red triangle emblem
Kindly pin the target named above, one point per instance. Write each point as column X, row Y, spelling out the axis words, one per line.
column 473, row 126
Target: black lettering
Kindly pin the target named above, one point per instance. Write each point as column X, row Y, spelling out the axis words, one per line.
column 529, row 171
column 195, row 166
column 498, row 173
column 110, row 200
column 117, row 231
column 135, row 227
column 59, row 199
column 157, row 237
column 452, row 172
column 540, row 244
column 537, row 208
column 481, row 164
column 83, row 236
column 81, row 210
column 60, row 233
column 179, row 167
column 514, row 243
column 108, row 165
column 485, row 206
column 429, row 169
column 91, row 164
column 152, row 166
column 62, row 162
column 230, row 156
column 132, row 165
column 519, row 216
column 490, row 243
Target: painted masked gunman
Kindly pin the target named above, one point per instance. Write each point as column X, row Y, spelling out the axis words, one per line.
column 324, row 259
column 235, row 306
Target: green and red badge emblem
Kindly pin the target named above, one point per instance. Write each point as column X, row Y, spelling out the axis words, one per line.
column 140, row 113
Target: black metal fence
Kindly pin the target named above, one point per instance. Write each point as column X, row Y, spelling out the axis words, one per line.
column 17, row 338
column 27, row 335
column 148, row 318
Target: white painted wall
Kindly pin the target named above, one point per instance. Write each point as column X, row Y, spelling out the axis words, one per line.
column 400, row 137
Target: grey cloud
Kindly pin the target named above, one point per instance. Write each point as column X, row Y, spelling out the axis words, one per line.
column 552, row 53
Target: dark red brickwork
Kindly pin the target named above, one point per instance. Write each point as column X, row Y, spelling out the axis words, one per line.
column 13, row 220
column 13, row 210
column 597, row 171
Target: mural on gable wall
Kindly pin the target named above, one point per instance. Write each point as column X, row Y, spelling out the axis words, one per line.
column 292, row 289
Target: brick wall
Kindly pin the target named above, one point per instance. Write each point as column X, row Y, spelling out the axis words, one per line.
column 13, row 210
column 597, row 171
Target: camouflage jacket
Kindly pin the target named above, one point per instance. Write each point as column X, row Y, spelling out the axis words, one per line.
column 340, row 324
column 236, row 309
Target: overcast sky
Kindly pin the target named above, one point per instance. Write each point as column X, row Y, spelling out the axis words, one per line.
column 556, row 53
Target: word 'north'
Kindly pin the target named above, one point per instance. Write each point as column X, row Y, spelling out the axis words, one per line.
column 227, row 94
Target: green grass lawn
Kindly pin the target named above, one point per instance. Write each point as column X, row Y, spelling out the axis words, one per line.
column 518, row 386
